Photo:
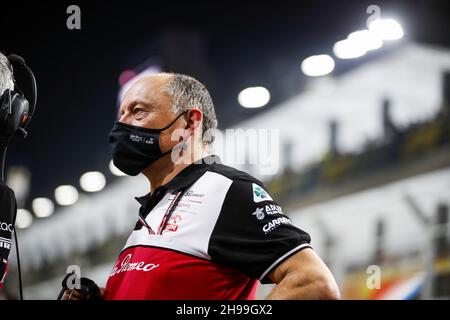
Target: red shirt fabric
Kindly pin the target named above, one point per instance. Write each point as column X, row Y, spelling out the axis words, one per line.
column 154, row 273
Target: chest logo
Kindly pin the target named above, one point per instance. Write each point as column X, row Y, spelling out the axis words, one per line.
column 173, row 225
column 127, row 266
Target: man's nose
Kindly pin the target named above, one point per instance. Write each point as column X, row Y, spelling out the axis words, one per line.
column 124, row 117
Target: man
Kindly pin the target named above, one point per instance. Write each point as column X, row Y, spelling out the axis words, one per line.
column 205, row 231
column 6, row 194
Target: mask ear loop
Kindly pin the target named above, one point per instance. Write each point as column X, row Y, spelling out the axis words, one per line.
column 180, row 144
column 170, row 124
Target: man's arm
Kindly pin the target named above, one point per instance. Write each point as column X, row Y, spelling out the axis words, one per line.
column 303, row 276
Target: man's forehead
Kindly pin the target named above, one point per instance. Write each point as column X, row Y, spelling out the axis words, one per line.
column 147, row 88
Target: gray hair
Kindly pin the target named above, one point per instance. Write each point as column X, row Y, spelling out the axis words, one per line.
column 6, row 77
column 188, row 93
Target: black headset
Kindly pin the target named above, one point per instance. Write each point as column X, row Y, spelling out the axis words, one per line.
column 15, row 111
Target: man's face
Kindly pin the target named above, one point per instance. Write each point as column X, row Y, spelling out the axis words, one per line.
column 146, row 105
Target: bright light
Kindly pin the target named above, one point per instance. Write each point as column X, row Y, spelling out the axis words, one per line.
column 348, row 49
column 92, row 181
column 24, row 219
column 319, row 65
column 19, row 179
column 114, row 170
column 386, row 29
column 367, row 39
column 254, row 97
column 43, row 207
column 66, row 195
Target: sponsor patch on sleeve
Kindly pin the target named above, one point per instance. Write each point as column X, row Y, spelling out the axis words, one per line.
column 259, row 194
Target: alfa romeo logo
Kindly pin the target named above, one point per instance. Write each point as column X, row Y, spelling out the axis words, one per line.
column 259, row 192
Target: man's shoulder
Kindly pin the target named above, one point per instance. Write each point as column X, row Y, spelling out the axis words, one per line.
column 236, row 175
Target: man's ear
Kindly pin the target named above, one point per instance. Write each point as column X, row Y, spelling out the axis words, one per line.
column 194, row 119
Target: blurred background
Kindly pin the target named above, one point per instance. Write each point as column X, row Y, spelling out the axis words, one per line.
column 357, row 92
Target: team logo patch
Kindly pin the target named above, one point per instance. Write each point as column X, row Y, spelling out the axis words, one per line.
column 259, row 194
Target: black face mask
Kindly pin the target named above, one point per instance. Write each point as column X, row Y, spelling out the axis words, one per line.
column 135, row 148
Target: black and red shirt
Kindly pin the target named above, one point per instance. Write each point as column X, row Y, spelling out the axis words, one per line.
column 212, row 232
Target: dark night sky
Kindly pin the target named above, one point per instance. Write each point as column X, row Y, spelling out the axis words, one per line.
column 228, row 45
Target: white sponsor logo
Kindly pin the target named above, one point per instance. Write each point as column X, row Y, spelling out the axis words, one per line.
column 269, row 209
column 259, row 194
column 191, row 193
column 275, row 223
column 139, row 139
column 6, row 226
column 273, row 209
column 126, row 266
column 259, row 213
column 5, row 243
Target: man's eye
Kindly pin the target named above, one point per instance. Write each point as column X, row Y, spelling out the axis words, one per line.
column 137, row 110
column 139, row 113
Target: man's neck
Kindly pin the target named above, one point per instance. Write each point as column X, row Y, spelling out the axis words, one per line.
column 164, row 170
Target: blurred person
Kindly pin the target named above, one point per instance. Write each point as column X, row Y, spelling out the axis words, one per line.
column 6, row 83
column 205, row 230
column 6, row 76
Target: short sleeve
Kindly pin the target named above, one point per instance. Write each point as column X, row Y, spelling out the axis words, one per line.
column 252, row 234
